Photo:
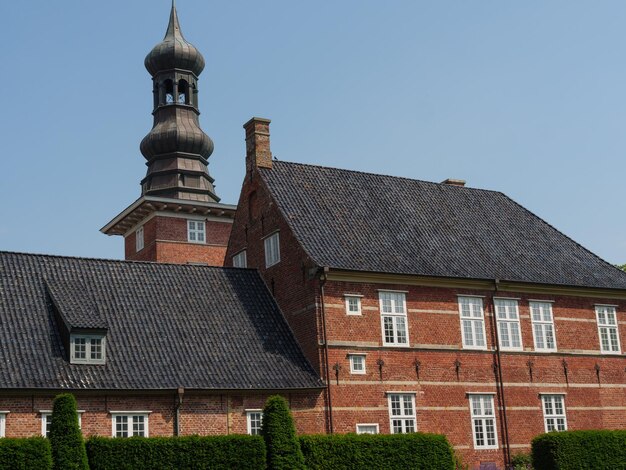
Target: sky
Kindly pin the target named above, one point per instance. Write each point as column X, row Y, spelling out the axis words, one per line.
column 527, row 98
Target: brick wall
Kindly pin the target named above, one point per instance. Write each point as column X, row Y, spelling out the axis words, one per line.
column 201, row 414
column 165, row 241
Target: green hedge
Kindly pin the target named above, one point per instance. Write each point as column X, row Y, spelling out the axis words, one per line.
column 174, row 453
column 279, row 432
column 25, row 454
column 567, row 450
column 377, row 451
column 68, row 446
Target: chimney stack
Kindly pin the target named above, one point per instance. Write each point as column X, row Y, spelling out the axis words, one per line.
column 258, row 154
column 454, row 182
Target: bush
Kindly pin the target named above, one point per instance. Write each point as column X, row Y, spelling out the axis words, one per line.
column 25, row 454
column 68, row 447
column 279, row 432
column 367, row 451
column 177, row 453
column 580, row 450
column 521, row 462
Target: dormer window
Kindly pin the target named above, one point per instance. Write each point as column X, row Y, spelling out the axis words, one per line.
column 87, row 349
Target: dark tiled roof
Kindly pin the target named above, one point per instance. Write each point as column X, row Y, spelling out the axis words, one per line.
column 367, row 222
column 169, row 326
column 76, row 304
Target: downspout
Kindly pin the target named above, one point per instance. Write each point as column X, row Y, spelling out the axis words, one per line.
column 494, row 324
column 326, row 371
column 179, row 402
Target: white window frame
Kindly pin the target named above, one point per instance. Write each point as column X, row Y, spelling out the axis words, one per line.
column 129, row 415
column 240, row 260
column 139, row 239
column 249, row 414
column 353, row 370
column 607, row 311
column 475, row 322
column 3, row 423
column 88, row 345
column 481, row 420
column 360, row 426
column 543, row 325
column 45, row 414
column 551, row 420
column 353, row 297
column 508, row 323
column 271, row 244
column 397, row 316
column 404, row 417
column 196, row 231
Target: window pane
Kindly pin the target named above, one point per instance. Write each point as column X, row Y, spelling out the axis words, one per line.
column 401, row 329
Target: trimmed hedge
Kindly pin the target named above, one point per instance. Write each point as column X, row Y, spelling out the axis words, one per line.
column 567, row 450
column 368, row 451
column 68, row 447
column 179, row 453
column 25, row 454
column 279, row 432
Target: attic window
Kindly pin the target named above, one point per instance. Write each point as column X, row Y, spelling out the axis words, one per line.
column 87, row 349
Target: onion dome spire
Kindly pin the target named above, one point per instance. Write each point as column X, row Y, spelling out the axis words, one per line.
column 176, row 148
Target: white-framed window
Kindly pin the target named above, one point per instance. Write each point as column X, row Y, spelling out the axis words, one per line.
column 543, row 326
column 139, row 239
column 254, row 419
column 3, row 422
column 357, row 363
column 46, row 421
column 472, row 322
column 240, row 260
column 367, row 428
column 607, row 329
column 353, row 304
column 509, row 332
column 554, row 412
column 130, row 424
column 272, row 249
column 393, row 318
column 87, row 349
column 402, row 412
column 196, row 231
column 483, row 421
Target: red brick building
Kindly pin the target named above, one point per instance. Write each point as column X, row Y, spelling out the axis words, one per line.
column 434, row 307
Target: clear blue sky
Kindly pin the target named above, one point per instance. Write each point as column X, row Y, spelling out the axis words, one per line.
column 528, row 98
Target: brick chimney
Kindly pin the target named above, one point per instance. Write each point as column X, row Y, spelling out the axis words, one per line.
column 258, row 153
column 454, row 182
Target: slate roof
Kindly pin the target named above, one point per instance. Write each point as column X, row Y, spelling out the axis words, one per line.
column 367, row 222
column 169, row 326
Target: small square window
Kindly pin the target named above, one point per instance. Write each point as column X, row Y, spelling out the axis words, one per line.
column 87, row 349
column 254, row 419
column 353, row 304
column 196, row 232
column 139, row 239
column 272, row 250
column 367, row 428
column 240, row 260
column 357, row 363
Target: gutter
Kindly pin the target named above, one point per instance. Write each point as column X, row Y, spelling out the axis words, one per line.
column 324, row 338
column 499, row 379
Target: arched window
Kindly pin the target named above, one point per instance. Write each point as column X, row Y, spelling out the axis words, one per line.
column 169, row 91
column 183, row 92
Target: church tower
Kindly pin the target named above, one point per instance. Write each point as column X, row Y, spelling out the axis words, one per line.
column 178, row 217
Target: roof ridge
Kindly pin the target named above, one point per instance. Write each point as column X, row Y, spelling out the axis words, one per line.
column 120, row 261
column 383, row 175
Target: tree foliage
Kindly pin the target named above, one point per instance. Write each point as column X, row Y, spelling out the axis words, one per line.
column 279, row 432
column 68, row 447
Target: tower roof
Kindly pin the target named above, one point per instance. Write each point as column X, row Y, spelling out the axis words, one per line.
column 174, row 52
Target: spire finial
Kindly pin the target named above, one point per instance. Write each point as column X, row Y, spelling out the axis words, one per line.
column 173, row 28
